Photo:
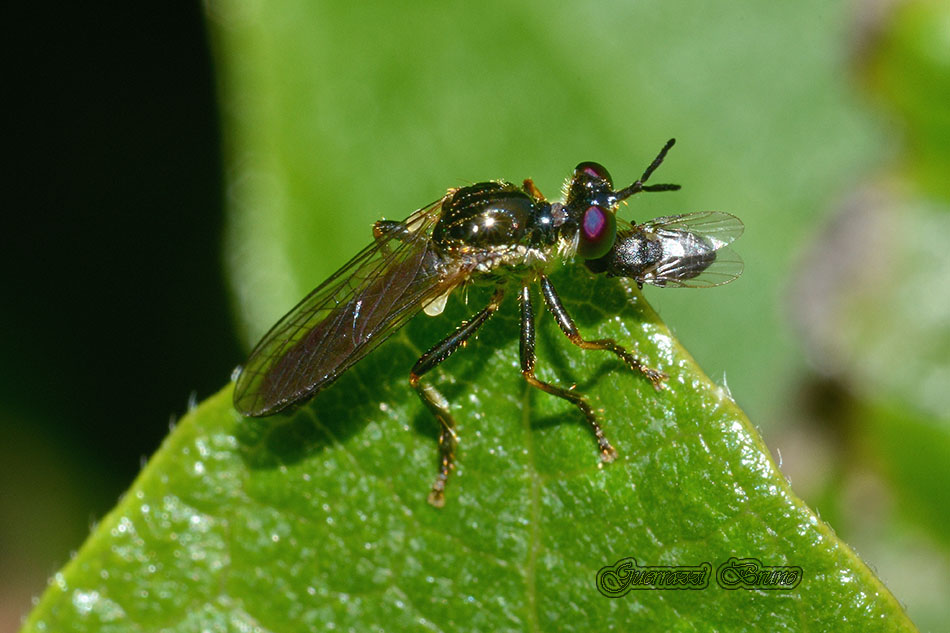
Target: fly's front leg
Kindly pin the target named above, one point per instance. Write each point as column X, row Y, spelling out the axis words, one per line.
column 385, row 230
column 434, row 400
column 566, row 323
column 391, row 229
column 531, row 189
column 607, row 452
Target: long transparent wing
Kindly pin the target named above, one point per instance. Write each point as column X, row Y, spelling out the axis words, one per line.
column 345, row 317
column 687, row 239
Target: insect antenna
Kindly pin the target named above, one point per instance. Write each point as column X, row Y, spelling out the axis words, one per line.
column 639, row 185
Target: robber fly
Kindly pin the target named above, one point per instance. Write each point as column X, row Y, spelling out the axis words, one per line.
column 496, row 233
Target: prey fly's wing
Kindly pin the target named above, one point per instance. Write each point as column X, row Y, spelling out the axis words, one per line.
column 695, row 248
column 346, row 316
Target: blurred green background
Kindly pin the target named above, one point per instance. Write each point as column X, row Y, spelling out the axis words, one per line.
column 825, row 126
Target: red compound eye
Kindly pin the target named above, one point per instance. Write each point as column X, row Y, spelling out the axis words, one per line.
column 594, row 172
column 598, row 231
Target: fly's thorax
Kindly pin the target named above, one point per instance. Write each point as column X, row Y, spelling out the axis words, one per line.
column 496, row 228
column 487, row 215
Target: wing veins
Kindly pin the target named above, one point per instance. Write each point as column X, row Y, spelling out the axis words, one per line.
column 277, row 374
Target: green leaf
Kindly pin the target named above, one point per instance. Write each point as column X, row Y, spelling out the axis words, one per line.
column 319, row 519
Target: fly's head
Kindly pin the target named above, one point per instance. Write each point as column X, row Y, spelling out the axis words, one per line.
column 591, row 207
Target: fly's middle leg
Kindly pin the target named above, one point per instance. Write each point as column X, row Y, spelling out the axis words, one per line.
column 434, row 400
column 567, row 325
column 607, row 452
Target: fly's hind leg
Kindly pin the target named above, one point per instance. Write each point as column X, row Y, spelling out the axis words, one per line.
column 607, row 452
column 434, row 400
column 566, row 323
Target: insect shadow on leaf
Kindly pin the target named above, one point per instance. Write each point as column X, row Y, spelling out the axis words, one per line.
column 300, row 432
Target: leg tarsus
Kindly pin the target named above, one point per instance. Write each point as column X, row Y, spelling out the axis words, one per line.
column 448, row 440
column 567, row 325
column 607, row 452
column 655, row 376
column 436, row 403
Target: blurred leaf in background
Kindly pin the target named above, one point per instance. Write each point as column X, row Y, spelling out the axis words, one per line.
column 872, row 301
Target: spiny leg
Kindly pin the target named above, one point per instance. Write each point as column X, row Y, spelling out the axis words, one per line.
column 434, row 400
column 607, row 452
column 566, row 323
